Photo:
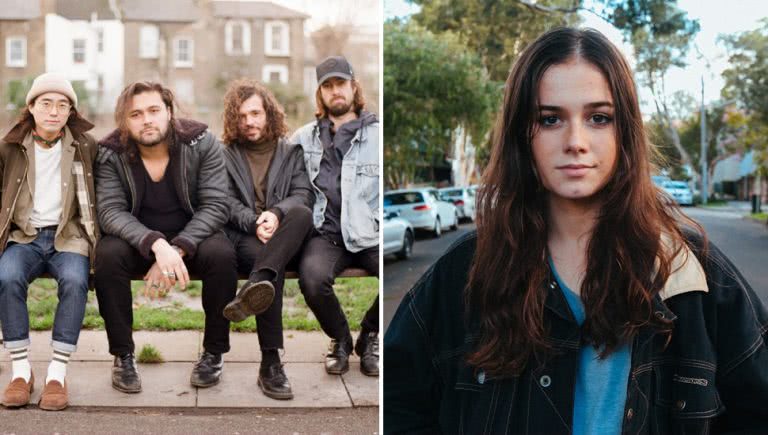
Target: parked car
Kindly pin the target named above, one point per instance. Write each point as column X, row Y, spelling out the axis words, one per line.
column 423, row 208
column 679, row 191
column 398, row 236
column 659, row 180
column 463, row 198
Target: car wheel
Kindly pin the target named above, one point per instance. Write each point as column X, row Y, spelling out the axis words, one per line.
column 407, row 250
column 455, row 225
column 438, row 230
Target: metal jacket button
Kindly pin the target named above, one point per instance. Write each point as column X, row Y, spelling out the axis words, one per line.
column 481, row 377
column 545, row 381
column 680, row 404
column 630, row 414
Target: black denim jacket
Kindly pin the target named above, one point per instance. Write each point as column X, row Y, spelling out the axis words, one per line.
column 711, row 378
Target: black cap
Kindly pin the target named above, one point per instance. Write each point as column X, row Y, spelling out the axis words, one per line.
column 334, row 66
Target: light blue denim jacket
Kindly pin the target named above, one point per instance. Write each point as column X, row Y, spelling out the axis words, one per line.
column 359, row 183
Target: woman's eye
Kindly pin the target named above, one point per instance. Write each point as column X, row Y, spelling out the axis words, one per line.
column 548, row 120
column 601, row 119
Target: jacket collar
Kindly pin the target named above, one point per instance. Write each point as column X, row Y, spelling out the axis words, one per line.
column 687, row 275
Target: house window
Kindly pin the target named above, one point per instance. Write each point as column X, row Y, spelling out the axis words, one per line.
column 277, row 38
column 185, row 90
column 274, row 74
column 100, row 40
column 183, row 52
column 149, row 42
column 16, row 51
column 237, row 38
column 78, row 50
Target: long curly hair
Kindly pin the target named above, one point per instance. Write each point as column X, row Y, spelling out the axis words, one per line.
column 627, row 262
column 241, row 90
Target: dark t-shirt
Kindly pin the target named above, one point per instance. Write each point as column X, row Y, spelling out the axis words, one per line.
column 160, row 207
column 335, row 146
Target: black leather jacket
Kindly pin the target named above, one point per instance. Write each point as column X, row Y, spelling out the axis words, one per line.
column 711, row 378
column 201, row 184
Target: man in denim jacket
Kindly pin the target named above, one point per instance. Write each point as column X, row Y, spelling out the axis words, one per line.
column 341, row 152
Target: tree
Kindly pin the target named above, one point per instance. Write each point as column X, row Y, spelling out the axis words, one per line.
column 496, row 30
column 433, row 86
column 746, row 82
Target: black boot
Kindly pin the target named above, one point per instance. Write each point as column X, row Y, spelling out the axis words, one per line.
column 367, row 348
column 125, row 377
column 253, row 298
column 337, row 359
column 207, row 371
column 274, row 383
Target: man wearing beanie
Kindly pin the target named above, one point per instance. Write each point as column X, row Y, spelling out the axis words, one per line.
column 341, row 153
column 46, row 225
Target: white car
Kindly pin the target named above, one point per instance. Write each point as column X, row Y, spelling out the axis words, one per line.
column 423, row 208
column 398, row 236
column 463, row 198
column 679, row 191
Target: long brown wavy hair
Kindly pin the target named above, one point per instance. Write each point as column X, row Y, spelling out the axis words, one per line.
column 124, row 104
column 627, row 264
column 241, row 90
column 358, row 101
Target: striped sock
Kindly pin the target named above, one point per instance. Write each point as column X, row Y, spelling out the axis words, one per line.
column 20, row 363
column 57, row 370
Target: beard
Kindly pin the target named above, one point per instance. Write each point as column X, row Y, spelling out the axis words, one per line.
column 339, row 109
column 161, row 137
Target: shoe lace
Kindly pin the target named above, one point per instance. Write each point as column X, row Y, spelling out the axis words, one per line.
column 128, row 361
column 207, row 359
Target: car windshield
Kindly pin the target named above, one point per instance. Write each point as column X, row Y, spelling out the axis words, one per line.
column 402, row 198
column 456, row 193
column 676, row 184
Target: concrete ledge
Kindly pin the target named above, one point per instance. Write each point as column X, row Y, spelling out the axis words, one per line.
column 166, row 385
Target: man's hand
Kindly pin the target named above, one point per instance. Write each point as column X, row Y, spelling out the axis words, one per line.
column 172, row 267
column 155, row 284
column 266, row 225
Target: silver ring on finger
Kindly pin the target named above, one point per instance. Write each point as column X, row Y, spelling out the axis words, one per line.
column 166, row 273
column 171, row 275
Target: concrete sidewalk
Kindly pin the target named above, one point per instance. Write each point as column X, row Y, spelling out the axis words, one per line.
column 166, row 385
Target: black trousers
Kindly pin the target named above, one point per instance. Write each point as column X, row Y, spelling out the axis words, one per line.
column 321, row 262
column 253, row 255
column 117, row 262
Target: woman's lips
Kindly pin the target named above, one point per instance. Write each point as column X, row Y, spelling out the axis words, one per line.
column 575, row 170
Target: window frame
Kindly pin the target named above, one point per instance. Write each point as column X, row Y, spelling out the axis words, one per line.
column 229, row 38
column 12, row 63
column 178, row 63
column 144, row 51
column 285, row 50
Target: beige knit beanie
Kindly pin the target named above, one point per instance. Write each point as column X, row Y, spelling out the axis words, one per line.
column 51, row 82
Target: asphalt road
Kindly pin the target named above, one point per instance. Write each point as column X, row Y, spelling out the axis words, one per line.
column 745, row 242
column 165, row 422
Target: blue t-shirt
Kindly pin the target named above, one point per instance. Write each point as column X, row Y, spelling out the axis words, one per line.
column 601, row 385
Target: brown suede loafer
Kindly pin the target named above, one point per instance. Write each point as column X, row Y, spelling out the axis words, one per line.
column 54, row 397
column 17, row 393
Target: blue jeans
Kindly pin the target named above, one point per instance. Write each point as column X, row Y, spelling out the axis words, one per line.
column 20, row 264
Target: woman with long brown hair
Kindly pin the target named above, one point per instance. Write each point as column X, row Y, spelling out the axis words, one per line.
column 585, row 302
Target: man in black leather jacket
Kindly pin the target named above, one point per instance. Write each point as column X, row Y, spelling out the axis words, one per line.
column 161, row 191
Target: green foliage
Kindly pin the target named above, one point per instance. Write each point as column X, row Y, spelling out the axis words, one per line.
column 433, row 85
column 746, row 82
column 497, row 31
column 149, row 355
column 16, row 92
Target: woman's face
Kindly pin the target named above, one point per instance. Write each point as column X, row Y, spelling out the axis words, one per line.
column 574, row 146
